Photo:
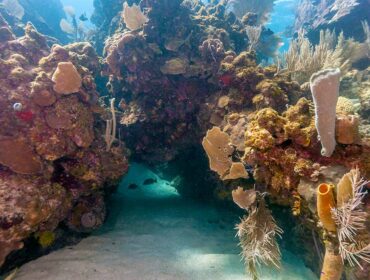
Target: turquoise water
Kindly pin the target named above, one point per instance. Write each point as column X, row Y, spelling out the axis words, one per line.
column 282, row 18
column 80, row 7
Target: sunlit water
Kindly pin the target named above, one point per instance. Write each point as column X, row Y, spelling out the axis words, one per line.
column 153, row 233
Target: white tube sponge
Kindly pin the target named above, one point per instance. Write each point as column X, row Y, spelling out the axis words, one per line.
column 325, row 90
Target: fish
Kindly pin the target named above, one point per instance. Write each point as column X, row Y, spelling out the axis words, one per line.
column 83, row 17
column 149, row 181
column 132, row 186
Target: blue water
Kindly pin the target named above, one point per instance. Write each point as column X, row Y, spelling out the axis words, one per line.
column 282, row 18
column 81, row 6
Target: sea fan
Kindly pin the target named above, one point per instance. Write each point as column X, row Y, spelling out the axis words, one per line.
column 69, row 10
column 350, row 219
column 66, row 26
column 257, row 233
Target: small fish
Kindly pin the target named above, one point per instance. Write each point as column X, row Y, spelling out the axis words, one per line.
column 132, row 186
column 83, row 17
column 149, row 181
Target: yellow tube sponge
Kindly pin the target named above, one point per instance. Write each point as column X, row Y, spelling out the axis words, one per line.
column 325, row 201
column 332, row 267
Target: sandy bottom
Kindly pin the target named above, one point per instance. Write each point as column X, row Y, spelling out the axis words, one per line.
column 154, row 234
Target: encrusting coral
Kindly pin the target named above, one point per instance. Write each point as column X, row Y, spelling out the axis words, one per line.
column 52, row 154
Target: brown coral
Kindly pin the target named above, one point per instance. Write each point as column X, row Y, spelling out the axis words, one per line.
column 19, row 156
column 347, row 129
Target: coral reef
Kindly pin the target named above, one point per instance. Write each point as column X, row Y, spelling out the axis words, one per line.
column 54, row 166
column 276, row 138
column 162, row 75
column 335, row 15
column 181, row 74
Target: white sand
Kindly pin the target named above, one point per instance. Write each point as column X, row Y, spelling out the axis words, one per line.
column 154, row 234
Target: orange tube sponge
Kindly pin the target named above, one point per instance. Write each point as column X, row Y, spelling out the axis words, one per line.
column 325, row 201
column 332, row 267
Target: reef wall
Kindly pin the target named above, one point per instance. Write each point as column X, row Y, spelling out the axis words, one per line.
column 55, row 168
column 178, row 78
column 338, row 15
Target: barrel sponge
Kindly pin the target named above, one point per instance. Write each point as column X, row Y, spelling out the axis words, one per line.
column 332, row 267
column 325, row 89
column 325, row 201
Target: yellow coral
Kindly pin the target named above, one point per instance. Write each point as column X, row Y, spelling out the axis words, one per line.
column 345, row 106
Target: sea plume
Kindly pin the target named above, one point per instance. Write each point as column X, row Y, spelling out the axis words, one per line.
column 257, row 233
column 350, row 218
column 66, row 26
column 69, row 10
